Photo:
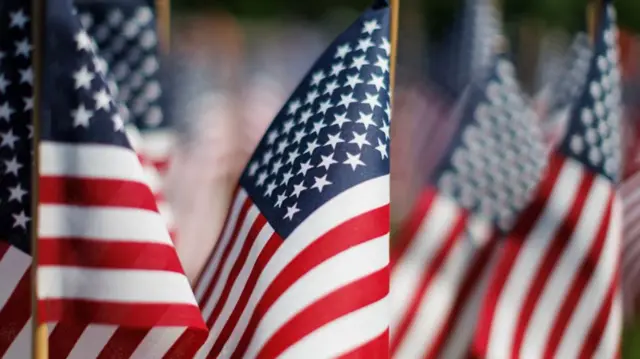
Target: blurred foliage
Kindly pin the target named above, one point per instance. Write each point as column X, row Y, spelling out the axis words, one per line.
column 631, row 343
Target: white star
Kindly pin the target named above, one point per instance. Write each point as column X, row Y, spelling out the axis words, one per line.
column 287, row 126
column 298, row 136
column 293, row 107
column 30, row 128
column 282, row 146
column 331, row 87
column 23, row 48
column 4, row 83
column 118, row 124
column 359, row 61
column 293, row 156
column 340, row 119
column 385, row 130
column 317, row 77
column 277, row 165
column 16, row 193
column 382, row 148
column 364, row 44
column 83, row 40
column 372, row 101
column 353, row 161
column 346, row 100
column 334, row 140
column 262, row 177
column 327, row 161
column 317, row 127
column 103, row 100
column 305, row 115
column 370, row 26
column 383, row 64
column 387, row 110
column 353, row 80
column 8, row 139
column 281, row 198
column 311, row 146
column 311, row 97
column 291, row 211
column 297, row 189
column 342, row 51
column 366, row 120
column 305, row 167
column 26, row 76
column 386, row 46
column 270, row 187
column 18, row 19
column 321, row 183
column 377, row 81
column 266, row 158
column 336, row 69
column 81, row 116
column 286, row 177
column 100, row 65
column 272, row 136
column 28, row 103
column 6, row 111
column 360, row 139
column 20, row 220
column 83, row 78
column 253, row 168
column 324, row 106
column 12, row 166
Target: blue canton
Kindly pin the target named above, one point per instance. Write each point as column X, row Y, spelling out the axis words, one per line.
column 566, row 90
column 332, row 134
column 16, row 105
column 496, row 160
column 593, row 137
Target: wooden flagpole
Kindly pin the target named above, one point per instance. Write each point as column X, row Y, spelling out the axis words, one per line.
column 395, row 17
column 40, row 339
column 593, row 12
column 163, row 23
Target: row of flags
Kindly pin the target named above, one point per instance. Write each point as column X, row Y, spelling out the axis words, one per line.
column 512, row 248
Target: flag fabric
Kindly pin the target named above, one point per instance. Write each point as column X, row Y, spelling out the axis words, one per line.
column 444, row 253
column 127, row 39
column 106, row 266
column 555, row 289
column 301, row 267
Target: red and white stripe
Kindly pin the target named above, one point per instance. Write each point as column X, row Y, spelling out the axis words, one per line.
column 439, row 270
column 555, row 292
column 107, row 267
column 630, row 195
column 327, row 282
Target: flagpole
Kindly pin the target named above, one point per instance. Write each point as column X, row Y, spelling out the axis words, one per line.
column 593, row 10
column 395, row 16
column 40, row 341
column 163, row 15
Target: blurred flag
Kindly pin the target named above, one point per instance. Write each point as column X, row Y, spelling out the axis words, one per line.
column 441, row 264
column 127, row 39
column 107, row 268
column 555, row 290
column 301, row 268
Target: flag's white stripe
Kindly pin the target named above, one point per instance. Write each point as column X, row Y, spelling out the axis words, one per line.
column 344, row 334
column 13, row 265
column 92, row 340
column 334, row 273
column 213, row 264
column 102, row 224
column 518, row 282
column 157, row 342
column 114, row 285
column 547, row 309
column 21, row 345
column 238, row 287
column 152, row 178
column 595, row 292
column 349, row 204
column 237, row 245
column 409, row 269
column 166, row 213
column 90, row 161
column 158, row 144
column 51, row 326
column 610, row 340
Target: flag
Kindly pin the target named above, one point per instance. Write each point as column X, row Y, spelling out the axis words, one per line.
column 555, row 289
column 443, row 257
column 106, row 266
column 301, row 267
column 127, row 39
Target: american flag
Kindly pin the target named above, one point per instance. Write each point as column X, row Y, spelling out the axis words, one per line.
column 443, row 259
column 301, row 267
column 555, row 290
column 106, row 266
column 127, row 39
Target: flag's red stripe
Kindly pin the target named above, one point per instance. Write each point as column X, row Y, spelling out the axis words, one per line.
column 76, row 252
column 472, row 279
column 351, row 297
column 117, row 313
column 350, row 233
column 16, row 312
column 553, row 254
column 63, row 338
column 378, row 348
column 214, row 280
column 509, row 253
column 430, row 272
column 123, row 343
column 96, row 192
column 412, row 226
column 583, row 276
